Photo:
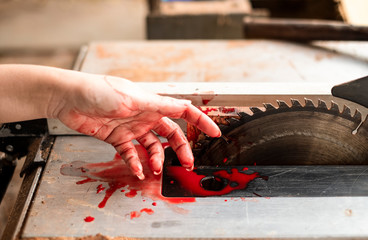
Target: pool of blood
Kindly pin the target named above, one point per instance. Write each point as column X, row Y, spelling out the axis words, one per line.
column 191, row 181
column 117, row 176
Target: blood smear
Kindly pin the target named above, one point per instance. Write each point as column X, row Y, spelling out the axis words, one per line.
column 117, row 175
column 89, row 219
column 191, row 181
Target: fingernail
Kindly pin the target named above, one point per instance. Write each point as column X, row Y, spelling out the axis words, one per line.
column 157, row 172
column 140, row 176
column 189, row 169
column 220, row 134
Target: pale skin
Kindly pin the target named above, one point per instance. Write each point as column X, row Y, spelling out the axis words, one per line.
column 114, row 110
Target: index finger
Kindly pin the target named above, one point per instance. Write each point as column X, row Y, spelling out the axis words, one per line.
column 177, row 108
column 197, row 118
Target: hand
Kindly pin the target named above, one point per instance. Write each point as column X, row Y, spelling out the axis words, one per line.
column 117, row 111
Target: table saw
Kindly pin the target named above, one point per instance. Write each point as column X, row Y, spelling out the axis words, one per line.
column 296, row 188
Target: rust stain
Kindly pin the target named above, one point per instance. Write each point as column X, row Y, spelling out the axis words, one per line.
column 321, row 56
column 239, row 44
column 146, row 75
column 102, row 53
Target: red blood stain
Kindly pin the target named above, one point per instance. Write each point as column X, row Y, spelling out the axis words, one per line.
column 191, row 180
column 255, row 164
column 225, row 160
column 225, row 200
column 117, row 175
column 100, row 188
column 122, row 190
column 227, row 110
column 154, row 204
column 132, row 193
column 208, row 110
column 206, row 101
column 87, row 180
column 149, row 211
column 92, row 131
column 89, row 219
column 245, row 169
column 135, row 214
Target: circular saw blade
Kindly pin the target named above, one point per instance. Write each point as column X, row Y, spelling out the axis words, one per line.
column 289, row 135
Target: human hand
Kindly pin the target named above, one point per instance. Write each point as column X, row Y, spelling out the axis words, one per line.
column 117, row 111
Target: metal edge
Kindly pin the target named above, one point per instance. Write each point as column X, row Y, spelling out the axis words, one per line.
column 27, row 191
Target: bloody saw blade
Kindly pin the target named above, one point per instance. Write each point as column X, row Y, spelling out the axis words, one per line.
column 299, row 134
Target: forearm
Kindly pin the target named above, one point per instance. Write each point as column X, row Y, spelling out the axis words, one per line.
column 31, row 92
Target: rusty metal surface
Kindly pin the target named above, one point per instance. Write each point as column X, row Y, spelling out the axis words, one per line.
column 225, row 61
column 61, row 205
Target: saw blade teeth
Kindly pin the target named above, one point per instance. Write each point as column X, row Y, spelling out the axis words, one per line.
column 322, row 104
column 357, row 115
column 346, row 111
column 309, row 103
column 269, row 106
column 334, row 107
column 232, row 121
column 244, row 115
column 282, row 104
column 255, row 110
column 295, row 103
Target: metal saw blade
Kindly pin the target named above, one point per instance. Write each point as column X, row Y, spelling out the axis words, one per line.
column 289, row 135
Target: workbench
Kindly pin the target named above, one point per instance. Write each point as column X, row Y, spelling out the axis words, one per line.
column 226, row 73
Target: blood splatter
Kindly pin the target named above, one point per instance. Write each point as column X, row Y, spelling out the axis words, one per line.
column 227, row 110
column 225, row 160
column 245, row 169
column 100, row 188
column 191, row 181
column 154, row 204
column 208, row 110
column 149, row 211
column 117, row 175
column 89, row 219
column 135, row 214
column 206, row 101
column 132, row 193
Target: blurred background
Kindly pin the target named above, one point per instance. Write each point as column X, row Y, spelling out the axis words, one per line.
column 50, row 32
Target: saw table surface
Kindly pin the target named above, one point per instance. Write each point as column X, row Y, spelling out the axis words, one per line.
column 63, row 208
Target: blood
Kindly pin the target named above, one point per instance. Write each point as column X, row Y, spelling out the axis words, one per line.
column 154, row 204
column 225, row 160
column 245, row 169
column 132, row 193
column 89, row 219
column 118, row 176
column 100, row 188
column 206, row 101
column 191, row 181
column 149, row 211
column 87, row 180
column 134, row 214
column 227, row 110
column 208, row 110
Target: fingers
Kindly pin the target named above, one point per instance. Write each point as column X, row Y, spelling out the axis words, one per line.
column 155, row 151
column 129, row 154
column 177, row 141
column 196, row 117
column 176, row 108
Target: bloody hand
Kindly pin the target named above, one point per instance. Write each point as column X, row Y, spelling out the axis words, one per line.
column 117, row 111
